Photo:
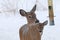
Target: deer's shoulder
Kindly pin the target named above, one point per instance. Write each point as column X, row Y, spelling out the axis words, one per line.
column 24, row 27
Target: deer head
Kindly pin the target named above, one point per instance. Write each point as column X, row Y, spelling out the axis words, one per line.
column 31, row 16
column 41, row 25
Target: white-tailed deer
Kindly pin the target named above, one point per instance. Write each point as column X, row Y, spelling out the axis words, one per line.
column 31, row 30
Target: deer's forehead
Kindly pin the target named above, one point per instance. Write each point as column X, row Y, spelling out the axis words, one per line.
column 30, row 13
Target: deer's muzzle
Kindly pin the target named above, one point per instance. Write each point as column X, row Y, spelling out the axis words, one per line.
column 37, row 21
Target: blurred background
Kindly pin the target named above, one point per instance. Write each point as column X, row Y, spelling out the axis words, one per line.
column 11, row 20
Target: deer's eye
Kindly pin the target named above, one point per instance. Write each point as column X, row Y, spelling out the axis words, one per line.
column 30, row 16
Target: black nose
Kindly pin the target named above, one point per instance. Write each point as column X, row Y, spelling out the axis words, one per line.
column 40, row 31
column 37, row 21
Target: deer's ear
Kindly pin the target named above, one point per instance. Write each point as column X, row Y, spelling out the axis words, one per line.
column 22, row 12
column 34, row 8
column 45, row 23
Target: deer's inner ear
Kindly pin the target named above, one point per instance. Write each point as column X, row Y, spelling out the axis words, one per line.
column 45, row 23
column 22, row 12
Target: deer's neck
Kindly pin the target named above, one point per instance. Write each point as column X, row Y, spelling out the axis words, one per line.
column 31, row 22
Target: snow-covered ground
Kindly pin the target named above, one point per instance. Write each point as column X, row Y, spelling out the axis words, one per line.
column 10, row 22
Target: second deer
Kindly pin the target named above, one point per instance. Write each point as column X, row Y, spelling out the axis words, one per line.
column 31, row 30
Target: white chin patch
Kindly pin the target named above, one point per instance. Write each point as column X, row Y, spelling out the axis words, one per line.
column 41, row 33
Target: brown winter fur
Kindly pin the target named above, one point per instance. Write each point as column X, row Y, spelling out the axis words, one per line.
column 31, row 30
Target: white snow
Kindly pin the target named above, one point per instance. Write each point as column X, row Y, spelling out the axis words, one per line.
column 10, row 22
